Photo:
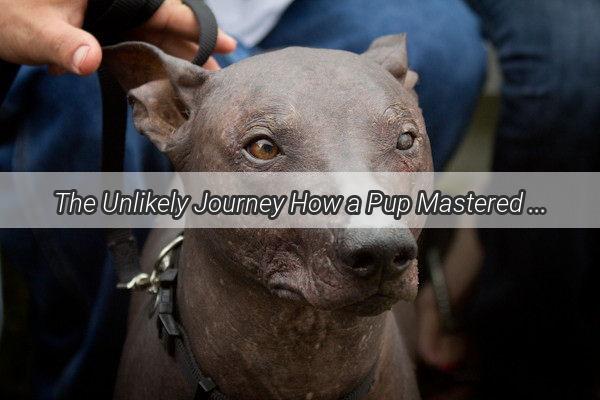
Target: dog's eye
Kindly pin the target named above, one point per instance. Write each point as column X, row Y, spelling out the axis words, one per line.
column 406, row 138
column 263, row 149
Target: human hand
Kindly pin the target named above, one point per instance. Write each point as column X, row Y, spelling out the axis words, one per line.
column 49, row 32
column 174, row 29
column 461, row 267
column 435, row 346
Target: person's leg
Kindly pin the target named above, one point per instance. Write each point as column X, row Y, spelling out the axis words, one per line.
column 536, row 313
column 444, row 47
column 1, row 299
column 53, row 124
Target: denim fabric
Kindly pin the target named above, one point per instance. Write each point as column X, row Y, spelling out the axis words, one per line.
column 444, row 47
column 536, row 313
column 78, row 319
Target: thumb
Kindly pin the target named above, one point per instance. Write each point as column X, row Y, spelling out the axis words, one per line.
column 71, row 48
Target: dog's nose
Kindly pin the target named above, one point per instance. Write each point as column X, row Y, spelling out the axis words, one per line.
column 368, row 251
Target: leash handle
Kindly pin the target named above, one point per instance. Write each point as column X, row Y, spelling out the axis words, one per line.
column 208, row 30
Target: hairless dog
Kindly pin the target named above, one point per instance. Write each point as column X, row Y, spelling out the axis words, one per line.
column 281, row 313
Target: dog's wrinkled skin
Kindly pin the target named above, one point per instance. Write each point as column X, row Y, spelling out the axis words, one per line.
column 281, row 314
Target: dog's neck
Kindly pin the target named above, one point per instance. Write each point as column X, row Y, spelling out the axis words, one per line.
column 256, row 345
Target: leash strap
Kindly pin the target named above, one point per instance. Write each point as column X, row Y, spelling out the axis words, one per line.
column 120, row 241
column 114, row 122
column 208, row 30
column 8, row 73
column 122, row 244
column 175, row 340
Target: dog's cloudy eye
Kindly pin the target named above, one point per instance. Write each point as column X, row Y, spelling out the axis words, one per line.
column 405, row 141
column 263, row 149
column 407, row 138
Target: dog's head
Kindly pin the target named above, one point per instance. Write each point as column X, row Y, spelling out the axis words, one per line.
column 295, row 109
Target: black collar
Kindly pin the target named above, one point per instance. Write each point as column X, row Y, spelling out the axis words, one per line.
column 163, row 283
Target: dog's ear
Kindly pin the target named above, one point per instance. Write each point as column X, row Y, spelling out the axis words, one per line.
column 390, row 52
column 160, row 88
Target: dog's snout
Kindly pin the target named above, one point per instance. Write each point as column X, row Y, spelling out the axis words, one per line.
column 368, row 251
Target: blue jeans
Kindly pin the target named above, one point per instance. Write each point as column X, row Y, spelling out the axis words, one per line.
column 78, row 318
column 444, row 48
column 536, row 313
column 53, row 124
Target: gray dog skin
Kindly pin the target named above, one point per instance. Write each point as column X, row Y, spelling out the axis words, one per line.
column 281, row 313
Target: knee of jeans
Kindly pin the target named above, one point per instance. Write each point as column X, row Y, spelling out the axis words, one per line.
column 452, row 68
column 453, row 56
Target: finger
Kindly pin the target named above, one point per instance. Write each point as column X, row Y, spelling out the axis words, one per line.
column 177, row 19
column 212, row 65
column 225, row 43
column 173, row 18
column 70, row 48
column 170, row 44
column 187, row 51
column 179, row 48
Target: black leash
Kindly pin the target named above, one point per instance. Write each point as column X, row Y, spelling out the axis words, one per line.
column 208, row 30
column 122, row 244
column 163, row 283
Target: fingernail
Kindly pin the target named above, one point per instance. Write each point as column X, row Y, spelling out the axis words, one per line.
column 79, row 56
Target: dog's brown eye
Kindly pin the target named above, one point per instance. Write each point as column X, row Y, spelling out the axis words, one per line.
column 263, row 149
column 407, row 138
